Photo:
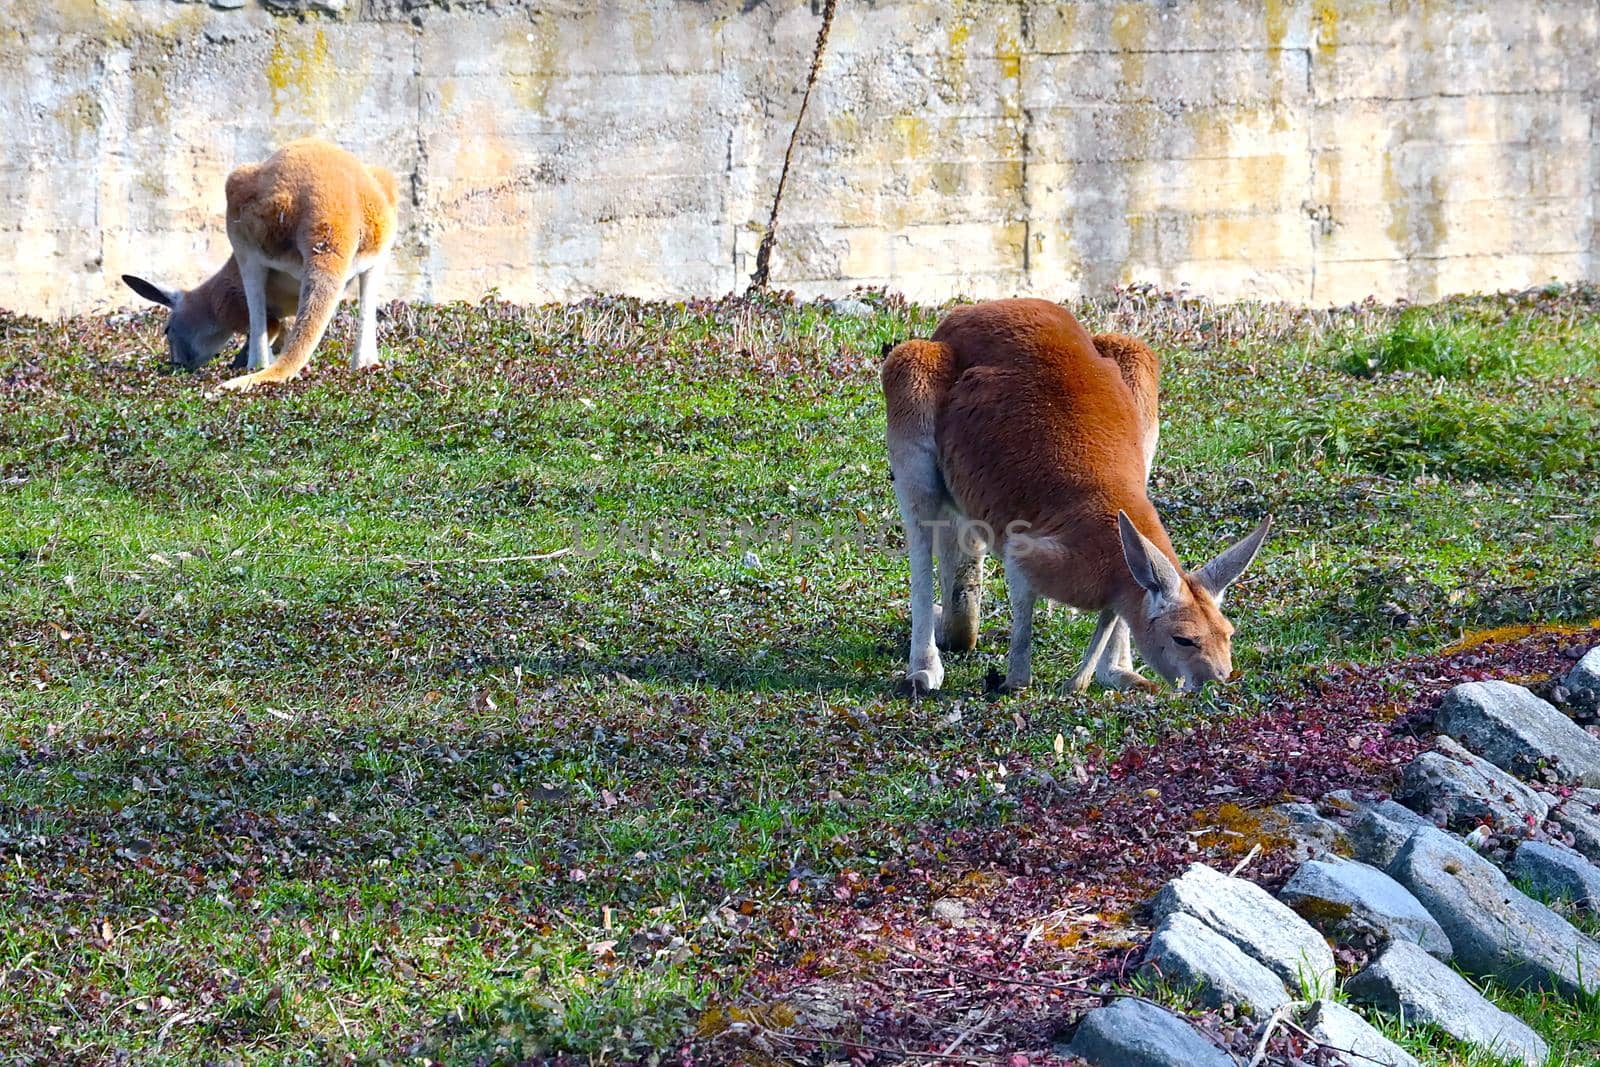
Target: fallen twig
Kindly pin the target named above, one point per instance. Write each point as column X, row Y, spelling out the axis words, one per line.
column 793, row 1037
column 1313, row 1039
column 1255, row 850
column 1276, row 1019
column 968, row 1032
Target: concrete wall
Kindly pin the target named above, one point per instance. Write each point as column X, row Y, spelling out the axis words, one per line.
column 1307, row 151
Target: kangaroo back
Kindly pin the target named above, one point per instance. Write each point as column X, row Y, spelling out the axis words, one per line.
column 1040, row 427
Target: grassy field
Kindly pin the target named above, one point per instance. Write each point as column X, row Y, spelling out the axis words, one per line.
column 312, row 743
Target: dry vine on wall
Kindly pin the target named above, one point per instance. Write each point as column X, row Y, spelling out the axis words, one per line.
column 758, row 280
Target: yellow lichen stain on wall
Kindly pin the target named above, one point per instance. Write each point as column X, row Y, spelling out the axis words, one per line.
column 1276, row 16
column 1009, row 53
column 183, row 25
column 913, row 136
column 1325, row 17
column 1394, row 195
column 643, row 28
column 153, row 184
column 1067, row 23
column 1332, row 165
column 1130, row 32
column 532, row 89
column 948, row 177
column 1250, row 238
column 1143, row 238
column 1416, row 223
column 1010, row 242
column 1010, row 178
column 958, row 41
column 953, row 63
column 80, row 114
column 148, row 103
column 845, row 127
column 78, row 15
column 1211, row 132
column 299, row 70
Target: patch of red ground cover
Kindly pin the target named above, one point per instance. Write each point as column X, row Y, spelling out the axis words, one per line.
column 1047, row 900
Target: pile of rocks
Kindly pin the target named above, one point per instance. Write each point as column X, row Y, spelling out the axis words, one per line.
column 1510, row 794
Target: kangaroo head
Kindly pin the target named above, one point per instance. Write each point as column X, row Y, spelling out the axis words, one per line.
column 1177, row 622
column 194, row 336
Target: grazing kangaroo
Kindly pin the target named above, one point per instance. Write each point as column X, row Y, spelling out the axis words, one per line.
column 304, row 225
column 1014, row 431
column 204, row 318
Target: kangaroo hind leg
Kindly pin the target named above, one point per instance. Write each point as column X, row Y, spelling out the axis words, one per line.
column 960, row 588
column 914, row 376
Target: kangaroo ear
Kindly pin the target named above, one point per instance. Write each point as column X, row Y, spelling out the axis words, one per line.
column 151, row 291
column 1153, row 571
column 1223, row 571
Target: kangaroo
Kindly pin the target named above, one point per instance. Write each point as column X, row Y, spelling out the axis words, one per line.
column 305, row 225
column 1013, row 431
column 206, row 317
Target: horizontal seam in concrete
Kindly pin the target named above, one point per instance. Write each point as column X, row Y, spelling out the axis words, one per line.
column 1476, row 94
column 1436, row 258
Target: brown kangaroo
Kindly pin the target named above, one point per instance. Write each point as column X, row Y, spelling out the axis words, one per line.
column 1013, row 431
column 305, row 224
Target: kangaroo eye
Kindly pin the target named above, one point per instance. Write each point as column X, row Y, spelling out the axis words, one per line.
column 1186, row 642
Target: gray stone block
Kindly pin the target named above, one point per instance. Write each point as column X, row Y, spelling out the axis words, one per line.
column 1517, row 731
column 1136, row 1033
column 1495, row 929
column 849, row 305
column 1188, row 953
column 1244, row 913
column 1341, row 1030
column 1579, row 816
column 1350, row 898
column 1555, row 872
column 1313, row 833
column 1468, row 791
column 1404, row 980
column 1382, row 830
column 1584, row 676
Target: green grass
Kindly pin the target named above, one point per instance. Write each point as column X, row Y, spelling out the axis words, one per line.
column 1447, row 434
column 1571, row 1029
column 1487, row 341
column 306, row 752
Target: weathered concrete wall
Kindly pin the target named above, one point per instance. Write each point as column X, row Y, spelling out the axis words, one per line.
column 1309, row 151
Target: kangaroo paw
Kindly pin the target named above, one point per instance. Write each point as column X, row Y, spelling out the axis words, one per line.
column 997, row 684
column 927, row 680
column 242, row 384
column 1130, row 681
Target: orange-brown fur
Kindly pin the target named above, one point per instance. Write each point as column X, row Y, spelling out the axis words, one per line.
column 316, row 213
column 1141, row 372
column 1043, row 434
column 1028, row 364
